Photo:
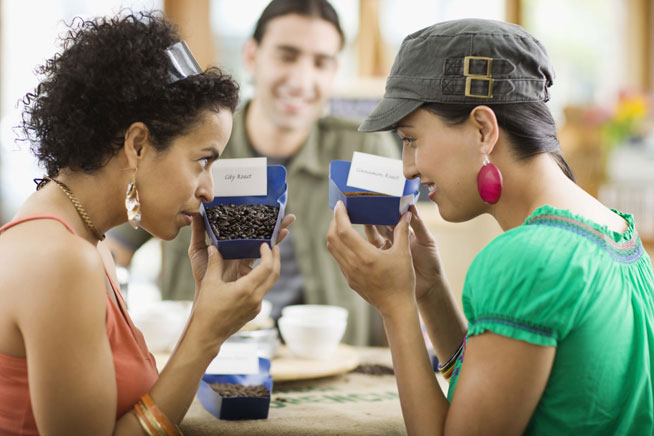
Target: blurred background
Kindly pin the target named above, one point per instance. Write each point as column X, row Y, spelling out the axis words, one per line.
column 602, row 100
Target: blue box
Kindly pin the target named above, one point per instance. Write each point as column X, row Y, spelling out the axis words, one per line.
column 370, row 209
column 236, row 408
column 249, row 248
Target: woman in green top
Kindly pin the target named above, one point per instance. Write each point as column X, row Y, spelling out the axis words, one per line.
column 558, row 333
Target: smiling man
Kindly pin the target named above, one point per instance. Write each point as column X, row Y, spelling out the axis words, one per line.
column 293, row 58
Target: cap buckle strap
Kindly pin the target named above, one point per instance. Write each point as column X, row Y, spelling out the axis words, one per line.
column 485, row 77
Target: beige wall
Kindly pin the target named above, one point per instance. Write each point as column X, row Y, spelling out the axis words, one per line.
column 650, row 48
column 373, row 59
column 2, row 210
column 640, row 24
column 513, row 11
column 192, row 17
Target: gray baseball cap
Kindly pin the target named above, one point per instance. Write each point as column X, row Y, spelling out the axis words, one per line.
column 463, row 61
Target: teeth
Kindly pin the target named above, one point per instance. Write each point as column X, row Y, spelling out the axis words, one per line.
column 432, row 188
column 292, row 101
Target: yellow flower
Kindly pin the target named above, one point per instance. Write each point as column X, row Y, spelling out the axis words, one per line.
column 631, row 108
column 629, row 114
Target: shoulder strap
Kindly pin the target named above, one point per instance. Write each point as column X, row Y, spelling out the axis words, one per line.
column 36, row 217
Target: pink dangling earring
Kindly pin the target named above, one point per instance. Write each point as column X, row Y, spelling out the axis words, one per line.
column 489, row 182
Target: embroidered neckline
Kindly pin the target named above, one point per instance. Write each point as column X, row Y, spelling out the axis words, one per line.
column 625, row 247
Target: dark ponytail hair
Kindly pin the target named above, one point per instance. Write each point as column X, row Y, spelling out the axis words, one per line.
column 307, row 8
column 529, row 126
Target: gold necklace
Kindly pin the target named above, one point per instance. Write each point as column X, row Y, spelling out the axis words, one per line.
column 78, row 206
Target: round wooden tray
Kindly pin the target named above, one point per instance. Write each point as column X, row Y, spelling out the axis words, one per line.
column 285, row 366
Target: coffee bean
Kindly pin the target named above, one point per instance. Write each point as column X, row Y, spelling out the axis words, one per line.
column 229, row 390
column 255, row 221
column 374, row 369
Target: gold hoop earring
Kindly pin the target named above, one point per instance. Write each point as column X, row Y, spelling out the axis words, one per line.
column 132, row 204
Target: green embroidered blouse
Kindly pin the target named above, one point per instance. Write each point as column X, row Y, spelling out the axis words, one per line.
column 561, row 280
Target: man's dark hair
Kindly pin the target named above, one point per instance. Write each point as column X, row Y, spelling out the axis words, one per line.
column 307, row 8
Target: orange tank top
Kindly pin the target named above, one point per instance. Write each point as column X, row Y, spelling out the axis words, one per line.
column 134, row 366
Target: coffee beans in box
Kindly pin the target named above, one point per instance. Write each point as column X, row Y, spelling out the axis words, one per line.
column 247, row 221
column 238, row 396
column 244, row 222
column 230, row 390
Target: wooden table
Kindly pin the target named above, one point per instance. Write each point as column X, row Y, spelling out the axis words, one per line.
column 349, row 403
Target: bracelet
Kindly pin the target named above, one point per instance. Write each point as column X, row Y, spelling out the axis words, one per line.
column 448, row 367
column 143, row 422
column 169, row 428
column 447, row 374
column 153, row 421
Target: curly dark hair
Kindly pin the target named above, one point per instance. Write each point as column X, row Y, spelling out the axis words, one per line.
column 114, row 72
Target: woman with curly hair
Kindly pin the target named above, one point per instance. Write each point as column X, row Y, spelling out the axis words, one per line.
column 127, row 127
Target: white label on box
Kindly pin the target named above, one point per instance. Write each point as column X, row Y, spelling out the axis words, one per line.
column 240, row 177
column 376, row 173
column 235, row 358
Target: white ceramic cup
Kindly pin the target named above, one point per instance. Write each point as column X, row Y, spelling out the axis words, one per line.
column 315, row 311
column 312, row 331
